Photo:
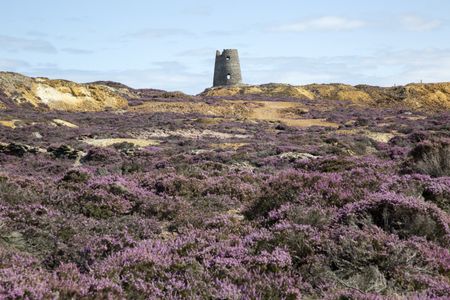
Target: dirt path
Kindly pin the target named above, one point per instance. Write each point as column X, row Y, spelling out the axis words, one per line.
column 253, row 110
column 273, row 111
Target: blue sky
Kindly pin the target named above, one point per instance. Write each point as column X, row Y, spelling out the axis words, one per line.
column 171, row 44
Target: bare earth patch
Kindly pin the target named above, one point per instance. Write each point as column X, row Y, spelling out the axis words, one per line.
column 189, row 133
column 275, row 111
column 64, row 123
column 415, row 118
column 227, row 108
column 9, row 123
column 49, row 94
column 228, row 146
column 110, row 142
column 249, row 110
column 382, row 137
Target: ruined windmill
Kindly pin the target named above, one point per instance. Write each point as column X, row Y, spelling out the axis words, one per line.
column 227, row 70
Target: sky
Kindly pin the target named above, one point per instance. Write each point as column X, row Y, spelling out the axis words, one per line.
column 171, row 44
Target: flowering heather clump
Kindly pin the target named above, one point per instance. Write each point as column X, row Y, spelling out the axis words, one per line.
column 257, row 210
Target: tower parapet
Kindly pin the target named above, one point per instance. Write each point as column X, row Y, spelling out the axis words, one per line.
column 227, row 70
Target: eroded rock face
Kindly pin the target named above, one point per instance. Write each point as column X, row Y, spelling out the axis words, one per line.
column 65, row 95
column 43, row 93
column 434, row 96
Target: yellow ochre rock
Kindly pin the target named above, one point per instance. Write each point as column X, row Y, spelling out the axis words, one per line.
column 430, row 96
column 59, row 94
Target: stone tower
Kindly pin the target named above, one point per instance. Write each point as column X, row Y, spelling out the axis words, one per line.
column 227, row 70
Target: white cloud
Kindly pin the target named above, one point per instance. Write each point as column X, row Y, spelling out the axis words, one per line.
column 382, row 68
column 202, row 11
column 198, row 52
column 76, row 51
column 15, row 44
column 13, row 64
column 327, row 23
column 416, row 23
column 149, row 33
column 168, row 75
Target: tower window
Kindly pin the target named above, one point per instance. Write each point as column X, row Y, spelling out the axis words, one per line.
column 228, row 58
column 228, row 76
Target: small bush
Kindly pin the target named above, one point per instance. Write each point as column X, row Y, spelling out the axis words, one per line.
column 76, row 176
column 101, row 155
column 431, row 158
column 403, row 216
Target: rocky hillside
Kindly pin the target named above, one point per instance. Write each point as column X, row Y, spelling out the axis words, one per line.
column 43, row 93
column 435, row 96
column 216, row 198
column 19, row 90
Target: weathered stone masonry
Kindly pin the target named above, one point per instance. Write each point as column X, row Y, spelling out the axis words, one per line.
column 227, row 69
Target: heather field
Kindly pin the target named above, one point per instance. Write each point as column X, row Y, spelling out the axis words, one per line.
column 202, row 198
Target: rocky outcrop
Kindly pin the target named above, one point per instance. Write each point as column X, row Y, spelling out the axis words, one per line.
column 20, row 90
column 423, row 96
column 65, row 151
column 42, row 93
column 434, row 96
column 19, row 150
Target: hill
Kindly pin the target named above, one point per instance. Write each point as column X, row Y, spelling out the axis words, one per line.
column 433, row 96
column 43, row 93
column 17, row 90
column 277, row 195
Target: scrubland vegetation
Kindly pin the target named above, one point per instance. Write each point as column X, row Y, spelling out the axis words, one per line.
column 262, row 210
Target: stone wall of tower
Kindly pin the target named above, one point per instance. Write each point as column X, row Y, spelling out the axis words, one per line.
column 227, row 70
